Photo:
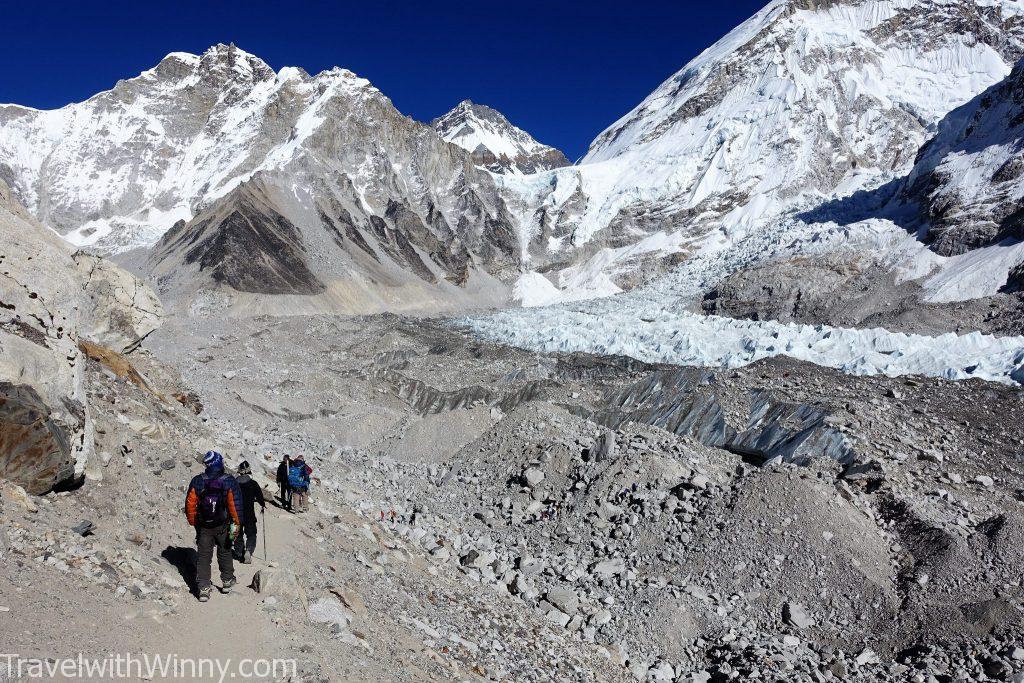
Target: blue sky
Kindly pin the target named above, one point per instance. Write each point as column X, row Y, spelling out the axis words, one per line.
column 562, row 71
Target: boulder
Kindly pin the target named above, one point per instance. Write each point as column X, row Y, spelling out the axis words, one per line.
column 17, row 495
column 330, row 611
column 796, row 615
column 554, row 615
column 608, row 568
column 533, row 476
column 351, row 600
column 564, row 599
column 281, row 584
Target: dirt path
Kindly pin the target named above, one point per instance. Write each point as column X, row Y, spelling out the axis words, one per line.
column 231, row 627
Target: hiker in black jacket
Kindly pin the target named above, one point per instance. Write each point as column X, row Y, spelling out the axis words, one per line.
column 252, row 493
column 282, row 481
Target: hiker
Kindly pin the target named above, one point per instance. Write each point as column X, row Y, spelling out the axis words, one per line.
column 298, row 480
column 213, row 505
column 282, row 481
column 252, row 493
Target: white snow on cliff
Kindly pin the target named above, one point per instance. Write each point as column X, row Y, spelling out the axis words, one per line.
column 803, row 102
column 494, row 142
column 117, row 170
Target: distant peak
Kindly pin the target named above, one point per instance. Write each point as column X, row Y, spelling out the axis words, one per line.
column 493, row 141
column 230, row 53
column 226, row 49
column 467, row 108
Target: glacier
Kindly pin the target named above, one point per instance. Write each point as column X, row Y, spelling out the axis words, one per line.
column 803, row 104
column 643, row 328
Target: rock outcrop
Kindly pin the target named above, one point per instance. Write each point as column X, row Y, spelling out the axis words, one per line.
column 45, row 432
column 119, row 308
column 50, row 302
column 967, row 183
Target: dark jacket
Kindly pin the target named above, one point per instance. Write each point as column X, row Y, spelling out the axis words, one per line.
column 251, row 494
column 282, row 473
column 195, row 491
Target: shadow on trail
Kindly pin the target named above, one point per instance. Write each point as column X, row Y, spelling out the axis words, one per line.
column 278, row 503
column 184, row 560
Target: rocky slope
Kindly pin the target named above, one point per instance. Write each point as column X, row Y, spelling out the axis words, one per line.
column 341, row 595
column 45, row 431
column 261, row 249
column 484, row 512
column 962, row 199
column 653, row 514
column 494, row 142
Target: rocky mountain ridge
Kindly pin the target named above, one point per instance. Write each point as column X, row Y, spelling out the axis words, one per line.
column 117, row 171
column 795, row 107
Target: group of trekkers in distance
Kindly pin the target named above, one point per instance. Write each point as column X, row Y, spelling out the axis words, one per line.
column 222, row 509
column 293, row 479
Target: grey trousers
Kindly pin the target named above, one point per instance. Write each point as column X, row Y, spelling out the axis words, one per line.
column 208, row 539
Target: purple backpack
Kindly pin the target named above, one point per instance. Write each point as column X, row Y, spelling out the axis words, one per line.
column 213, row 502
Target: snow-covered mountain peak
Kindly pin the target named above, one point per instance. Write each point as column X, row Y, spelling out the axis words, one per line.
column 494, row 142
column 804, row 101
column 117, row 170
column 945, row 51
column 218, row 67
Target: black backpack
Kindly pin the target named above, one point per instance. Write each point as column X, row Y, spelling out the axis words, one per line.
column 213, row 502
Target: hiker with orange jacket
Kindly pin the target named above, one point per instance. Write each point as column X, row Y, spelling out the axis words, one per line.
column 213, row 505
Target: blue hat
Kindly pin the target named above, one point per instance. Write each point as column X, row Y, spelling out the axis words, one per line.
column 213, row 459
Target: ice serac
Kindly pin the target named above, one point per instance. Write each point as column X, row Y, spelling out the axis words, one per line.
column 685, row 401
column 494, row 142
column 804, row 101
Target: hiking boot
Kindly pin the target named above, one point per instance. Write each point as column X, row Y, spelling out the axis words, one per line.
column 204, row 594
column 226, row 588
column 247, row 559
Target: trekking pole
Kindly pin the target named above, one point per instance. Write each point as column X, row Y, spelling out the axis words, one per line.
column 263, row 514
